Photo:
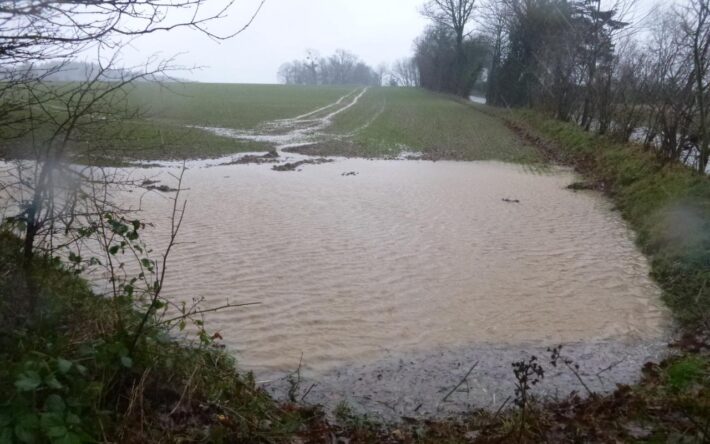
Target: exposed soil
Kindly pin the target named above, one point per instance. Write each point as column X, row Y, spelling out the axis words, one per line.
column 293, row 166
column 152, row 185
column 270, row 157
column 582, row 186
column 341, row 148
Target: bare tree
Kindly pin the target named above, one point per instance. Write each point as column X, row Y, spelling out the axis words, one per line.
column 454, row 15
column 341, row 68
column 382, row 72
column 695, row 23
column 406, row 73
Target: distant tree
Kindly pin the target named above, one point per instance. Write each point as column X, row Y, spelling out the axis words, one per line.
column 493, row 19
column 437, row 61
column 341, row 68
column 406, row 73
column 382, row 72
column 454, row 16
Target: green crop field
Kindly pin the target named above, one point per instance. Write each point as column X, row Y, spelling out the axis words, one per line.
column 382, row 122
column 231, row 105
column 389, row 120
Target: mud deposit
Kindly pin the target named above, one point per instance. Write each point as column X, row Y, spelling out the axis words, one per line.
column 389, row 284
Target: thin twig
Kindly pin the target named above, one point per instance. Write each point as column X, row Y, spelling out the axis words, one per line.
column 465, row 378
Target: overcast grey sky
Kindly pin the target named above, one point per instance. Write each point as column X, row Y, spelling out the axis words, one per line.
column 376, row 30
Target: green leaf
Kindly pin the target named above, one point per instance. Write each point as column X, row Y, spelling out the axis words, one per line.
column 28, row 381
column 72, row 419
column 53, row 425
column 55, row 404
column 148, row 264
column 53, row 382
column 63, row 365
column 113, row 250
column 94, row 261
column 126, row 361
column 26, row 429
column 5, row 420
column 69, row 438
column 6, row 436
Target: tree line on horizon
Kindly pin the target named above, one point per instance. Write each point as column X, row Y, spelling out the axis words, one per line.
column 340, row 68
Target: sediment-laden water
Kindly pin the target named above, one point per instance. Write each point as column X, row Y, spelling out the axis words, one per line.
column 405, row 270
column 387, row 280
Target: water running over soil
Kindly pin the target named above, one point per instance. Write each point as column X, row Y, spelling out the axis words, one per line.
column 298, row 131
column 391, row 282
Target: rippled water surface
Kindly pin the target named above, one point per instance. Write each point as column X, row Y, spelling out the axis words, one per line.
column 405, row 256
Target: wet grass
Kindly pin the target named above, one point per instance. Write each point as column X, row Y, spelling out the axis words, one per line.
column 387, row 121
column 163, row 132
column 384, row 123
column 231, row 105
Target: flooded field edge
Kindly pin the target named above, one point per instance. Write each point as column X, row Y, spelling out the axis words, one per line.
column 382, row 384
column 452, row 381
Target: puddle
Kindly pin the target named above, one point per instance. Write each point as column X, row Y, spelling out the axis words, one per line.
column 412, row 270
column 386, row 280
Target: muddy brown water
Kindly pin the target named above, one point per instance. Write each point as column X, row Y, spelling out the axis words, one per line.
column 387, row 280
column 405, row 273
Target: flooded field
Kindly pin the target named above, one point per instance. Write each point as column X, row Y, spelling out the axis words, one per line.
column 361, row 265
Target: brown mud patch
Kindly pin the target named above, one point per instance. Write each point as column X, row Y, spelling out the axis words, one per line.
column 293, row 166
column 270, row 157
column 342, row 148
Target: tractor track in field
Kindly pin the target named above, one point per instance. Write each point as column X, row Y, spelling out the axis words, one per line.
column 306, row 129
